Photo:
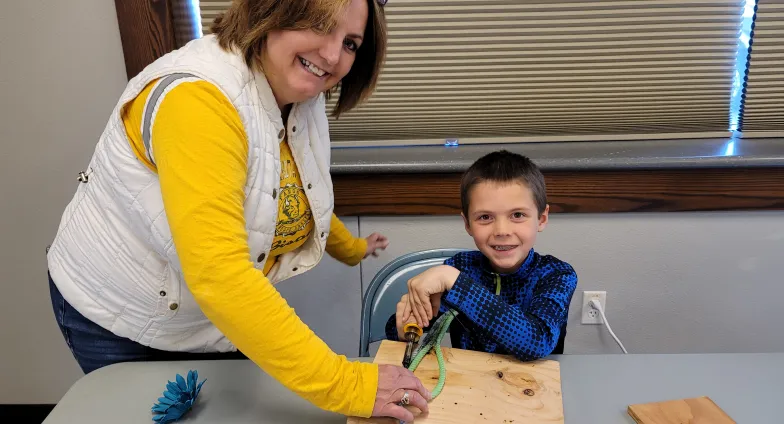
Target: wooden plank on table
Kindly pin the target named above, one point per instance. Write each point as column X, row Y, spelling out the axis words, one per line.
column 701, row 410
column 670, row 190
column 482, row 388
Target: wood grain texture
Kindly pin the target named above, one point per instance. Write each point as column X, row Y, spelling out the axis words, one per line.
column 573, row 192
column 482, row 388
column 146, row 31
column 700, row 410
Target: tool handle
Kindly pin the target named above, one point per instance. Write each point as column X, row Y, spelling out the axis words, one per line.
column 413, row 328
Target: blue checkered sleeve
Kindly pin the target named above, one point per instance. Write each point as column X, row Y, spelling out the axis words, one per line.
column 527, row 333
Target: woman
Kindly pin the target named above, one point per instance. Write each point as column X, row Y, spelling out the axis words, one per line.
column 210, row 184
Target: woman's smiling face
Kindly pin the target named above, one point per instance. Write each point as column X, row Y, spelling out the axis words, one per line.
column 301, row 64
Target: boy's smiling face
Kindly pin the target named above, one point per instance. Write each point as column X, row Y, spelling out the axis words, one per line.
column 503, row 221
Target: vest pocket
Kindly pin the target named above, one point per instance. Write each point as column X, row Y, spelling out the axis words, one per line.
column 168, row 294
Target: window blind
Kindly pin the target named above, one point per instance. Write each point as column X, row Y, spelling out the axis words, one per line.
column 763, row 112
column 209, row 10
column 185, row 20
column 512, row 70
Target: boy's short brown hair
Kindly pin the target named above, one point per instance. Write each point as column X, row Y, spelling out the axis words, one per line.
column 504, row 167
column 246, row 24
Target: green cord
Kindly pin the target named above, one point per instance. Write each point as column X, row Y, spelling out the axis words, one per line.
column 430, row 342
column 441, row 326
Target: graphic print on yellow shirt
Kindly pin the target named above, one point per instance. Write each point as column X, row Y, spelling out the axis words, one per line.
column 295, row 219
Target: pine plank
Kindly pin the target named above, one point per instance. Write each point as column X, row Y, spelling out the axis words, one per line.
column 701, row 410
column 483, row 388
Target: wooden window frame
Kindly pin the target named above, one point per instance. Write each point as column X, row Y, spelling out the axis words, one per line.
column 147, row 33
column 664, row 190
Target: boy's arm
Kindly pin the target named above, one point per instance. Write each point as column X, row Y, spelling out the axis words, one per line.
column 530, row 333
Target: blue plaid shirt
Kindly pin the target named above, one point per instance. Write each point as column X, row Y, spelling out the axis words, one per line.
column 524, row 319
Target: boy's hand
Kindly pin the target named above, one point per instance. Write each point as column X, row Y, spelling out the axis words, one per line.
column 428, row 287
column 402, row 316
column 375, row 241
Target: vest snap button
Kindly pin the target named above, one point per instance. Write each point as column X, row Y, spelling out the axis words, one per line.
column 173, row 306
column 261, row 257
column 294, row 128
column 310, row 186
column 295, row 269
column 274, row 193
column 322, row 235
column 162, row 293
column 281, row 134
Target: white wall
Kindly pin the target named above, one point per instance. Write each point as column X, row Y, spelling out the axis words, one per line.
column 675, row 282
column 61, row 70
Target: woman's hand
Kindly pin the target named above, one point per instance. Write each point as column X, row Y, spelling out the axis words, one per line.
column 393, row 383
column 424, row 292
column 375, row 241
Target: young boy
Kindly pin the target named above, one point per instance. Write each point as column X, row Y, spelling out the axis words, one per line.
column 509, row 299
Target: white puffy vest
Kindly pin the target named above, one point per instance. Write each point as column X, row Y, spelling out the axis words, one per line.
column 113, row 258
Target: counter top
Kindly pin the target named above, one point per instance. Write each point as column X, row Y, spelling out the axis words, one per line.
column 568, row 156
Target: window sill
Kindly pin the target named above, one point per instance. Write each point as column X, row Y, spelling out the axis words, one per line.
column 568, row 156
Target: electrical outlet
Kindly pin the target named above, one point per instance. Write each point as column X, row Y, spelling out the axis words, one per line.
column 591, row 315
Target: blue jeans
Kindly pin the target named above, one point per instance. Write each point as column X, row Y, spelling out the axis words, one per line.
column 95, row 347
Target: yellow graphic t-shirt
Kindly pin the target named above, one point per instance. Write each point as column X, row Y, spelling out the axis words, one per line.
column 295, row 219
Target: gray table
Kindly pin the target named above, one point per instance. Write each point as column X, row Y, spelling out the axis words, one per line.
column 596, row 389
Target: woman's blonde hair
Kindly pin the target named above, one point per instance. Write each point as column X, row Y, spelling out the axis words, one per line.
column 246, row 24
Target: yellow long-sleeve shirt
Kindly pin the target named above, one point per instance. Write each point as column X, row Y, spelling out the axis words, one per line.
column 200, row 152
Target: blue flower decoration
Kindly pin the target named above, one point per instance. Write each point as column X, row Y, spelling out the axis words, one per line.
column 177, row 399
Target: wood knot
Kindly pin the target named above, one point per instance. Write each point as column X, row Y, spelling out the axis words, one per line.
column 500, row 374
column 528, row 392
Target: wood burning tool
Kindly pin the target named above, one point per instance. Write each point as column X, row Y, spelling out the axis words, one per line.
column 431, row 341
column 412, row 332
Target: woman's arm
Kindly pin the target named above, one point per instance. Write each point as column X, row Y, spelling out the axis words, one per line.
column 200, row 150
column 343, row 246
column 350, row 250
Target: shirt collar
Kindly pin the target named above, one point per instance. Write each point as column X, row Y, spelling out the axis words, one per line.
column 525, row 267
column 270, row 105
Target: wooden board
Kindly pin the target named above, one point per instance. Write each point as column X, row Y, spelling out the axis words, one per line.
column 700, row 410
column 482, row 388
column 646, row 190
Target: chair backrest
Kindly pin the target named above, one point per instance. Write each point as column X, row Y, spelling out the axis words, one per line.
column 386, row 289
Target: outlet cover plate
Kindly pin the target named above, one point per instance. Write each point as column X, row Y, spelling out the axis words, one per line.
column 590, row 314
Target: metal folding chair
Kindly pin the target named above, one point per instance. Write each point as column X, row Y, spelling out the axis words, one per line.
column 386, row 288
